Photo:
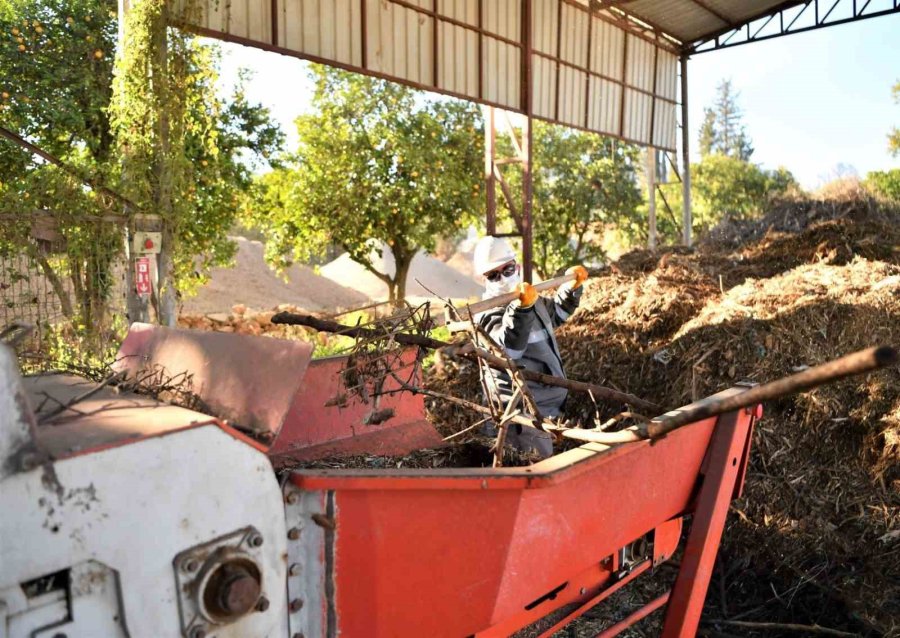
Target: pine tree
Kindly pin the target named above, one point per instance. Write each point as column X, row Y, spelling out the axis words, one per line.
column 708, row 132
column 722, row 131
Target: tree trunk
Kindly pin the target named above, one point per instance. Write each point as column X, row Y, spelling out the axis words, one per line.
column 403, row 260
column 64, row 302
column 168, row 307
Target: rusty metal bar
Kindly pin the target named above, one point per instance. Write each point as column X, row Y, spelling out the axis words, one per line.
column 686, row 220
column 587, row 68
column 819, row 21
column 590, row 73
column 852, row 364
column 490, row 185
column 634, row 617
column 599, row 598
column 727, row 451
column 274, row 21
column 527, row 142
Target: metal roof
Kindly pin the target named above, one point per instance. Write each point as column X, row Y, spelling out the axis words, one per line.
column 691, row 20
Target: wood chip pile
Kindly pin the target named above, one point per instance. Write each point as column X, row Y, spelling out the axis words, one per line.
column 816, row 538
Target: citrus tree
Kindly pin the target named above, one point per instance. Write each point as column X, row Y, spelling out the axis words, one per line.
column 378, row 164
column 582, row 183
column 56, row 91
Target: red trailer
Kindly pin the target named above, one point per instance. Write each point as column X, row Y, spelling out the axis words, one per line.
column 329, row 552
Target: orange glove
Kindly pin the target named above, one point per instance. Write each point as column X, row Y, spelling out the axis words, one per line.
column 580, row 272
column 527, row 295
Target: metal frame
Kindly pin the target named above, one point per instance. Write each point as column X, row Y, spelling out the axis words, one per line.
column 789, row 18
column 475, row 525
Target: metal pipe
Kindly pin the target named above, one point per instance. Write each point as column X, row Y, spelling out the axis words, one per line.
column 633, row 617
column 856, row 363
column 685, row 155
column 651, row 198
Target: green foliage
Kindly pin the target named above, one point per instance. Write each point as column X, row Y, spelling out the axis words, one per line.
column 885, row 183
column 721, row 187
column 582, row 183
column 376, row 163
column 55, row 73
column 186, row 154
column 56, row 88
column 722, row 131
column 729, row 186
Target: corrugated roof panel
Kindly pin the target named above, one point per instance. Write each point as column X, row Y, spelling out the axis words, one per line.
column 667, row 75
column 502, row 17
column 458, row 60
column 604, row 104
column 579, row 65
column 639, row 64
column 637, row 116
column 682, row 19
column 543, row 74
column 571, row 96
column 664, row 124
column 574, row 35
column 501, row 73
column 607, row 47
column 545, row 17
column 461, row 10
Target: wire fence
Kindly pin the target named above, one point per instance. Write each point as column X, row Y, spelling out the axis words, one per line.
column 67, row 284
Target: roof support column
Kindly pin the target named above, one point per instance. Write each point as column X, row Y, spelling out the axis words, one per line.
column 685, row 155
column 527, row 143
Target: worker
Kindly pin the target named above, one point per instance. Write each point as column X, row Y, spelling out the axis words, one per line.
column 525, row 330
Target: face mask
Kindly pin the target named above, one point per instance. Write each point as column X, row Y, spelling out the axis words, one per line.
column 503, row 286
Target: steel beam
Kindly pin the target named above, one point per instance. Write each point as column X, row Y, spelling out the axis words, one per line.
column 651, row 198
column 728, row 450
column 687, row 220
column 789, row 23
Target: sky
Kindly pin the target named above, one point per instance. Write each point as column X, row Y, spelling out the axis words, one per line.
column 811, row 101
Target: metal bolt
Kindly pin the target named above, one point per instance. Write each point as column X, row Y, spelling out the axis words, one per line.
column 198, row 632
column 190, row 565
column 255, row 540
column 294, row 569
column 582, row 591
column 296, row 605
column 262, row 604
column 294, row 533
column 292, row 498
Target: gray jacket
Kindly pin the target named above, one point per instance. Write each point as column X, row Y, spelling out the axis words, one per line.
column 527, row 335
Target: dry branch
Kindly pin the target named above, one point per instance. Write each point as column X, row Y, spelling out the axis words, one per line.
column 462, row 352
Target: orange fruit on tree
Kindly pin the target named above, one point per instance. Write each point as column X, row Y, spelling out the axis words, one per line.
column 98, row 54
column 21, row 47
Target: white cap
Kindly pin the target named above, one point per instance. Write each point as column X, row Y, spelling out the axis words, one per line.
column 491, row 253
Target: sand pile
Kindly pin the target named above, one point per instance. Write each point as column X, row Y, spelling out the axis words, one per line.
column 252, row 283
column 434, row 274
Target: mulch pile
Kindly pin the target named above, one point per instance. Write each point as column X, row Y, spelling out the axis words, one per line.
column 816, row 538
